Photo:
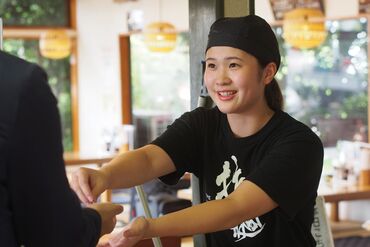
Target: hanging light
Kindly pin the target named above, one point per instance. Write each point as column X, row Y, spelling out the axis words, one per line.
column 55, row 44
column 304, row 28
column 160, row 36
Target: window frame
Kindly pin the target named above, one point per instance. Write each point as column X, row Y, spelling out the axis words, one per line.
column 34, row 33
column 367, row 16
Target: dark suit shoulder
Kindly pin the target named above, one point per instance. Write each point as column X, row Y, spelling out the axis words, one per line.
column 17, row 78
column 8, row 60
column 15, row 71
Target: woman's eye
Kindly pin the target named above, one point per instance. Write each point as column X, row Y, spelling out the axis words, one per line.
column 233, row 65
column 211, row 66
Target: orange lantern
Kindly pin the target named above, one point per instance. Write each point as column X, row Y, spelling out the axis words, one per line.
column 160, row 37
column 55, row 44
column 304, row 28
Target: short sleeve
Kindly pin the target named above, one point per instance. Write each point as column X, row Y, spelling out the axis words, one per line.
column 182, row 142
column 290, row 172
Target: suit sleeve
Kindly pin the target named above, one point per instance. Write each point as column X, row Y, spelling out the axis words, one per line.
column 46, row 211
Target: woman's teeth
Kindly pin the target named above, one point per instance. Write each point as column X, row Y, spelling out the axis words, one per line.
column 226, row 93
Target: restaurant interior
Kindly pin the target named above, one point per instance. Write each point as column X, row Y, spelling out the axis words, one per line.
column 123, row 70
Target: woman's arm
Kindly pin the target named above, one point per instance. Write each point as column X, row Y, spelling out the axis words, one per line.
column 137, row 167
column 125, row 171
column 246, row 202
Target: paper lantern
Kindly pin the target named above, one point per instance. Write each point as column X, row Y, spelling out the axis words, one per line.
column 55, row 44
column 160, row 37
column 304, row 28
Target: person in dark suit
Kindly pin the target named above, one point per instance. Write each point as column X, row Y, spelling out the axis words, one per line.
column 37, row 206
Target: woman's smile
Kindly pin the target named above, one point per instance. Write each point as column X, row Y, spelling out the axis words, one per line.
column 226, row 94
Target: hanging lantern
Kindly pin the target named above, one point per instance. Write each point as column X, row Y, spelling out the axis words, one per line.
column 304, row 28
column 55, row 44
column 160, row 37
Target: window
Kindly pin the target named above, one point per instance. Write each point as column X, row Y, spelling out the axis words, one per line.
column 160, row 84
column 28, row 13
column 27, row 19
column 327, row 87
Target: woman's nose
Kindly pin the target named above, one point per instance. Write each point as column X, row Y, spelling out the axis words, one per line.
column 223, row 77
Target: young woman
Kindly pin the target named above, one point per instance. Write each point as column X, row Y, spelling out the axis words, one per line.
column 260, row 167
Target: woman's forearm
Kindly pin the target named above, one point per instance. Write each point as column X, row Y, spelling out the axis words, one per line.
column 124, row 170
column 207, row 217
column 214, row 215
column 137, row 167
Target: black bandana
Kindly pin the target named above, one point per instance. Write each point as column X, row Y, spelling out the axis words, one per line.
column 251, row 34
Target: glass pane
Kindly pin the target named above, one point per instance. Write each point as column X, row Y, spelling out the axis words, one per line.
column 59, row 79
column 35, row 12
column 326, row 87
column 160, row 85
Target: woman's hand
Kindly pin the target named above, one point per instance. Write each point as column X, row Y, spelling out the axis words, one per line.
column 89, row 184
column 130, row 234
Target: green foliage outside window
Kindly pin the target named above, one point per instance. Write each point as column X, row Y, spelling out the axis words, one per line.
column 58, row 76
column 42, row 13
column 160, row 80
column 327, row 87
column 35, row 12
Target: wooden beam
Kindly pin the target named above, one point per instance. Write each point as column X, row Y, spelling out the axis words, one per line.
column 74, row 79
column 126, row 102
column 234, row 8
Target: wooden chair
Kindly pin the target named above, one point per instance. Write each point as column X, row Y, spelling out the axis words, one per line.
column 166, row 242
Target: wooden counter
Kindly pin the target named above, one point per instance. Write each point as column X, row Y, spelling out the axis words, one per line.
column 77, row 159
column 348, row 193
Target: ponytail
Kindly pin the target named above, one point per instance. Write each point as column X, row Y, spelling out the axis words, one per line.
column 273, row 95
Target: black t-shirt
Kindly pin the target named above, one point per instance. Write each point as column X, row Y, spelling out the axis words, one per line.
column 284, row 159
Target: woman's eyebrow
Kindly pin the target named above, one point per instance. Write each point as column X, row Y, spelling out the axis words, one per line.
column 210, row 58
column 226, row 58
column 231, row 58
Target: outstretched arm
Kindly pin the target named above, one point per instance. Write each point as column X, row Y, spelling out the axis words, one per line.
column 246, row 202
column 137, row 167
column 127, row 170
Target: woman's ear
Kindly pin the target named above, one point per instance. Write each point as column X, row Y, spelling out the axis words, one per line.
column 269, row 72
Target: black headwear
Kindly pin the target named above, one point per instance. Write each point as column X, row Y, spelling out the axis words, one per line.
column 251, row 34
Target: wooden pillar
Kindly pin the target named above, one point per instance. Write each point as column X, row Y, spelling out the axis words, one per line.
column 201, row 15
column 234, row 8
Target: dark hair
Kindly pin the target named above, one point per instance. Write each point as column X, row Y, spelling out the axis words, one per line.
column 273, row 94
column 253, row 35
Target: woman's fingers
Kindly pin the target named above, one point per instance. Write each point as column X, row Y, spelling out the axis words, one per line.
column 130, row 234
column 82, row 183
column 84, row 178
column 77, row 189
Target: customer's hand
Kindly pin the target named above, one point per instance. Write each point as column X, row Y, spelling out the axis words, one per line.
column 130, row 234
column 108, row 212
column 89, row 184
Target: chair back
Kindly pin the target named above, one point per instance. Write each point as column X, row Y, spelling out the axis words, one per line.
column 321, row 226
column 166, row 242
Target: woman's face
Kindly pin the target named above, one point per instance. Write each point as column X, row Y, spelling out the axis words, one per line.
column 234, row 80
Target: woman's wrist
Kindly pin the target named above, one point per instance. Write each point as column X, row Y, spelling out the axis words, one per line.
column 105, row 172
column 149, row 229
